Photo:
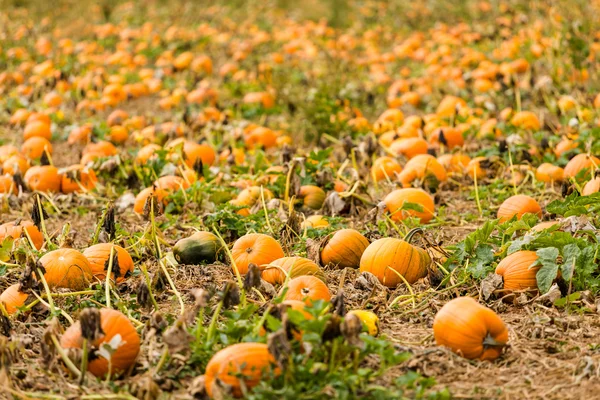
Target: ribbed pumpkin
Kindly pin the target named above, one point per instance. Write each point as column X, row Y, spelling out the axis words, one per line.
column 518, row 205
column 201, row 247
column 119, row 333
column 470, row 329
column 293, row 266
column 344, row 249
column 312, row 196
column 66, row 268
column 255, row 248
column 43, row 178
column 421, row 167
column 98, row 256
column 395, row 200
column 580, row 163
column 307, row 288
column 241, row 362
column 591, row 186
column 12, row 298
column 15, row 230
column 385, row 168
column 387, row 254
column 547, row 172
column 517, row 270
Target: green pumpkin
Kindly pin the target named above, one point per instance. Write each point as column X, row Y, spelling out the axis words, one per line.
column 200, row 248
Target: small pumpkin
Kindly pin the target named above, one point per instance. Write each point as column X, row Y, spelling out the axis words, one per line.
column 34, row 147
column 255, row 248
column 12, row 297
column 118, row 333
column 344, row 249
column 422, row 166
column 43, row 178
column 307, row 288
column 199, row 248
column 591, row 186
column 14, row 229
column 409, row 147
column 582, row 162
column 447, row 136
column 293, row 266
column 369, row 319
column 240, row 364
column 518, row 271
column 312, row 196
column 171, row 183
column 7, row 184
column 470, row 329
column 98, row 256
column 386, row 258
column 315, row 222
column 78, row 178
column 396, row 199
column 385, row 168
column 547, row 172
column 16, row 164
column 66, row 268
column 37, row 128
column 518, row 205
column 526, row 120
column 144, row 195
column 252, row 194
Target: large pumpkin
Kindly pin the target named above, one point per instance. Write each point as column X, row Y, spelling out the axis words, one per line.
column 396, row 199
column 384, row 256
column 307, row 288
column 422, row 167
column 293, row 266
column 470, row 329
column 66, row 268
column 518, row 272
column 241, row 362
column 344, row 249
column 119, row 333
column 43, row 178
column 99, row 254
column 15, row 230
column 581, row 162
column 518, row 205
column 255, row 248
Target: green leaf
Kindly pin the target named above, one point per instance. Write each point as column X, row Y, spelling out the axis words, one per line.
column 480, row 264
column 549, row 268
column 6, row 249
column 563, row 300
column 412, row 206
column 571, row 254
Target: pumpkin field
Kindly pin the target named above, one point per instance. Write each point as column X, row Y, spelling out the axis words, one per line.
column 326, row 199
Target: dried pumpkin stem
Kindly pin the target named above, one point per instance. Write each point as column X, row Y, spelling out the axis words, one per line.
column 108, row 273
column 42, row 219
column 47, row 289
column 61, row 352
column 61, row 311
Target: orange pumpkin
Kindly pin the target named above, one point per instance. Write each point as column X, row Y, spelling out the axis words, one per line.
column 518, row 272
column 78, row 178
column 396, row 199
column 293, row 266
column 547, row 172
column 260, row 136
column 454, row 163
column 312, row 196
column 66, row 268
column 470, row 329
column 16, row 164
column 37, row 128
column 409, row 147
column 171, row 183
column 344, row 249
column 102, row 149
column 518, row 205
column 307, row 288
column 388, row 257
column 252, row 194
column 447, row 136
column 581, row 162
column 7, row 184
column 315, row 222
column 591, row 186
column 385, row 168
column 147, row 153
column 564, row 146
column 422, row 167
column 34, row 147
column 142, row 197
column 526, row 120
column 43, row 178
column 98, row 256
column 13, row 298
column 118, row 333
column 255, row 248
column 15, row 229
column 240, row 364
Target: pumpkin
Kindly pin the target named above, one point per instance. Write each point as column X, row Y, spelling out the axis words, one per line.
column 78, row 178
column 252, row 194
column 15, row 230
column 547, row 172
column 193, row 152
column 344, row 248
column 118, row 134
column 34, row 147
column 518, row 272
column 579, row 163
column 369, row 319
column 526, row 120
column 38, row 117
column 201, row 247
column 240, row 364
column 255, row 248
column 66, row 268
column 470, row 329
column 456, row 163
column 423, row 167
column 117, row 117
column 101, row 148
column 37, row 128
column 142, row 197
column 385, row 168
column 449, row 106
column 147, row 153
column 307, row 288
column 544, row 225
column 312, row 196
column 260, row 137
column 7, row 185
column 119, row 333
column 447, row 136
column 518, row 205
column 409, row 147
column 564, row 146
column 386, row 258
column 396, row 199
column 293, row 266
column 13, row 298
column 591, row 186
column 16, row 164
column 80, row 135
column 43, row 178
column 315, row 222
column 171, row 183
column 98, row 256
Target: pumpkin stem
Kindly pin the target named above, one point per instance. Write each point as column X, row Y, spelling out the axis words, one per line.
column 489, row 341
column 411, row 233
column 249, row 250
